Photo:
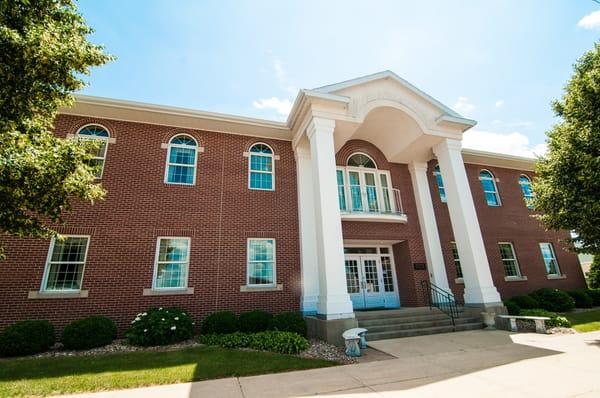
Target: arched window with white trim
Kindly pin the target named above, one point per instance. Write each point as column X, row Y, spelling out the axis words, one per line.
column 99, row 133
column 525, row 183
column 440, row 182
column 182, row 156
column 261, row 170
column 490, row 190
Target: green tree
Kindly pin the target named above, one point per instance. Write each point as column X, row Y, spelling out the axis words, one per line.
column 594, row 274
column 44, row 55
column 567, row 185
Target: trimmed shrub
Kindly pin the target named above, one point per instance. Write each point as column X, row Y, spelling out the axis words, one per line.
column 582, row 299
column 271, row 340
column 525, row 302
column 160, row 326
column 512, row 307
column 594, row 274
column 555, row 320
column 554, row 300
column 289, row 322
column 255, row 321
column 595, row 295
column 91, row 332
column 26, row 338
column 223, row 322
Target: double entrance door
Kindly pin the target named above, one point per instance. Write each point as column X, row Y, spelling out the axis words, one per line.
column 371, row 281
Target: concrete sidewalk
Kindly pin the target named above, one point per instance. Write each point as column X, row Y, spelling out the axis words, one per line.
column 466, row 364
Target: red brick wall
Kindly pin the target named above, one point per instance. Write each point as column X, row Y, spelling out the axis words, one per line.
column 219, row 213
column 411, row 249
column 511, row 222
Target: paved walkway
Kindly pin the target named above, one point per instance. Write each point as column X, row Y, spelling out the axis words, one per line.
column 466, row 364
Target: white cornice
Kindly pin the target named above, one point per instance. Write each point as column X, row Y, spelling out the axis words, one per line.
column 484, row 158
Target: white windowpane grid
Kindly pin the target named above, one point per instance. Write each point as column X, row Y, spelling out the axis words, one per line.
column 352, row 281
column 440, row 183
column 549, row 259
column 172, row 263
column 261, row 262
column 489, row 188
column 509, row 259
column 388, row 276
column 261, row 169
column 66, row 263
column 98, row 133
column 371, row 276
column 459, row 273
column 181, row 160
column 525, row 184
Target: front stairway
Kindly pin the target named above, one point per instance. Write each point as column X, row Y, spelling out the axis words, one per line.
column 406, row 322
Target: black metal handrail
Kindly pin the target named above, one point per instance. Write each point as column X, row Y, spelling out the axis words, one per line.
column 437, row 297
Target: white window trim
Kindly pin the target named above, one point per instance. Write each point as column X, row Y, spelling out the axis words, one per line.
column 187, row 271
column 168, row 163
column 519, row 276
column 380, row 194
column 439, row 173
column 558, row 273
column 250, row 171
column 459, row 279
column 529, row 206
column 250, row 285
column 108, row 140
column 496, row 192
column 48, row 261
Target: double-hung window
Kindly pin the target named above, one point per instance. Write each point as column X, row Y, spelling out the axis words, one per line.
column 490, row 190
column 525, row 184
column 261, row 167
column 509, row 260
column 440, row 183
column 459, row 273
column 181, row 160
column 100, row 134
column 261, row 262
column 65, row 263
column 549, row 258
column 172, row 263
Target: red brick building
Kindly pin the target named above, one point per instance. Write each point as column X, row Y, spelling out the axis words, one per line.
column 359, row 196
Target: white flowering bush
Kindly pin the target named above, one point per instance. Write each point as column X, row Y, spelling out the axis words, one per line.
column 160, row 326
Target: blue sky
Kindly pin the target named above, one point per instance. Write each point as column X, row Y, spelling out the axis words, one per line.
column 500, row 62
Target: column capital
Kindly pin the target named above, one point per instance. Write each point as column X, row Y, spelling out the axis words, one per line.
column 319, row 124
column 417, row 166
column 449, row 144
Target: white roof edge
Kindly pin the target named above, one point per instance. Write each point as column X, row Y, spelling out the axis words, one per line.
column 475, row 156
column 459, row 120
column 387, row 74
column 143, row 106
column 498, row 155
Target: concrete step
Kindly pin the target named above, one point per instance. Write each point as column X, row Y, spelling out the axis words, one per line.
column 372, row 336
column 417, row 325
column 398, row 313
column 403, row 319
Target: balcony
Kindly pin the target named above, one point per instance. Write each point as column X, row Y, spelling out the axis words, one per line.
column 372, row 203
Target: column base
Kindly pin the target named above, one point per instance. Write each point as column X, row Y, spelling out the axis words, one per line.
column 335, row 307
column 483, row 296
column 329, row 330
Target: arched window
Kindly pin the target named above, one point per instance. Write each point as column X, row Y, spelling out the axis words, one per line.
column 525, row 184
column 361, row 160
column 96, row 132
column 440, row 182
column 489, row 188
column 261, row 170
column 182, row 155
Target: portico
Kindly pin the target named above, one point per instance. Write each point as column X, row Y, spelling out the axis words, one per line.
column 409, row 128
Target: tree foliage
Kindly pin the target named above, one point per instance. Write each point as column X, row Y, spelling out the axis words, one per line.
column 594, row 274
column 45, row 53
column 567, row 185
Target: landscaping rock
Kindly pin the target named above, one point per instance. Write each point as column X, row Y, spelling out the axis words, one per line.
column 321, row 350
column 561, row 331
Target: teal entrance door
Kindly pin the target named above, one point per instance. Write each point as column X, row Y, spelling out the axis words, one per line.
column 364, row 281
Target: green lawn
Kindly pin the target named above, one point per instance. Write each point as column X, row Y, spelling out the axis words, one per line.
column 46, row 376
column 587, row 321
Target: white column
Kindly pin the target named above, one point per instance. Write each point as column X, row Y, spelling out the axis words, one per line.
column 334, row 301
column 308, row 239
column 429, row 229
column 479, row 286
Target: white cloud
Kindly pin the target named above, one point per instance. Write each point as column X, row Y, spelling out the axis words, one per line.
column 282, row 106
column 590, row 21
column 513, row 143
column 463, row 105
column 499, row 104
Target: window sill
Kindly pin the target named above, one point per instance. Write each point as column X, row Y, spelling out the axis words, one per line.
column 36, row 294
column 515, row 278
column 245, row 288
column 562, row 276
column 459, row 281
column 168, row 292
